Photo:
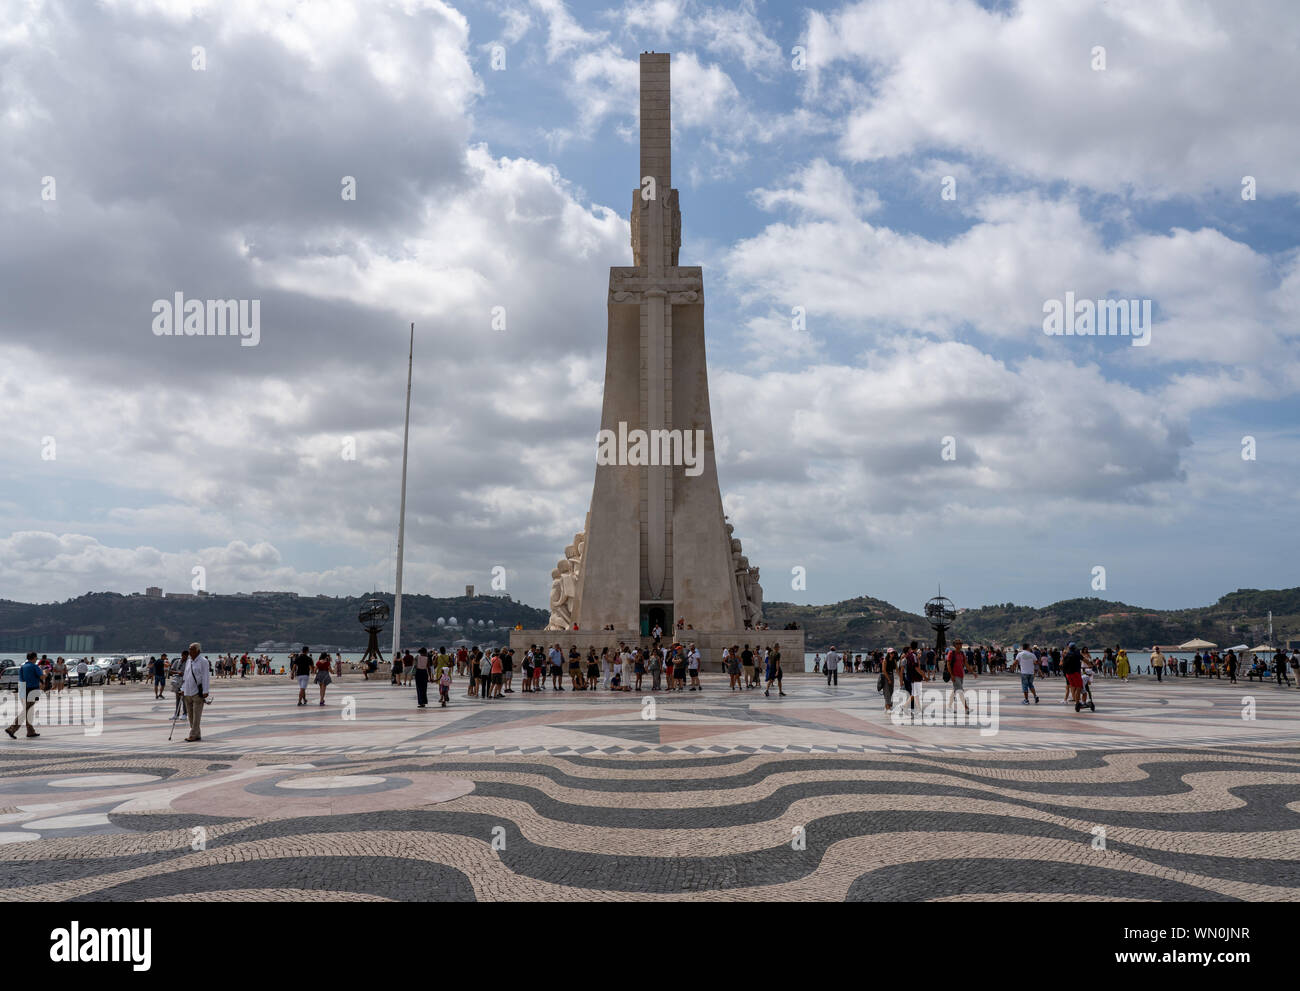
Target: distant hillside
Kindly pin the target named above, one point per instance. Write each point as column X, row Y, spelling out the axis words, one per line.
column 124, row 623
column 860, row 622
column 869, row 623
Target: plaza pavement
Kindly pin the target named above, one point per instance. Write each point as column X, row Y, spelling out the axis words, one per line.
column 1165, row 793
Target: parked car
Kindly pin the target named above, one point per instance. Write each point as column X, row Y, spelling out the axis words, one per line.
column 9, row 675
column 96, row 671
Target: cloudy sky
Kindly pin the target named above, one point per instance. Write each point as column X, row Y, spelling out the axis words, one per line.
column 813, row 147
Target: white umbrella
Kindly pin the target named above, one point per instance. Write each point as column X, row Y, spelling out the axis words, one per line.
column 1263, row 650
column 1197, row 644
column 1240, row 646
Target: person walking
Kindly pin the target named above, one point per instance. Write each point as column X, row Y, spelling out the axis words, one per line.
column 422, row 678
column 1230, row 662
column 1279, row 669
column 194, row 689
column 1158, row 663
column 158, row 666
column 323, row 674
column 301, row 667
column 1024, row 662
column 444, row 686
column 774, row 673
column 832, row 667
column 1121, row 665
column 29, row 683
column 913, row 678
column 888, row 669
column 732, row 663
column 956, row 661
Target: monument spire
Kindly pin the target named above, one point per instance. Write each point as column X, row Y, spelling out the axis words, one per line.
column 656, row 119
column 655, row 242
column 656, row 549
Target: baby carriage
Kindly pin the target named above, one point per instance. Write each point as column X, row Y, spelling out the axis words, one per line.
column 1085, row 693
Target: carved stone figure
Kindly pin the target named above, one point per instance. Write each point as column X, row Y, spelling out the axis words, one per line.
column 561, row 606
column 755, row 595
column 564, row 584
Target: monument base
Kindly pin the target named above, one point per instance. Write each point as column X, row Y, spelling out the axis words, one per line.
column 711, row 642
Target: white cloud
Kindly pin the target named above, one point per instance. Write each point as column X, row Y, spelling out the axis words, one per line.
column 1194, row 96
column 820, row 190
column 729, row 32
column 563, row 32
column 1217, row 300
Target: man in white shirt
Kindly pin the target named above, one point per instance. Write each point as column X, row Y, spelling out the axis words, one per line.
column 832, row 667
column 1025, row 661
column 194, row 687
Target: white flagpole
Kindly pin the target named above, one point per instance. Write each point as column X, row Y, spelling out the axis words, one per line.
column 401, row 518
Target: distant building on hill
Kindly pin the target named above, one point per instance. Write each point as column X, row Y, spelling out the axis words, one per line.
column 154, row 592
column 469, row 591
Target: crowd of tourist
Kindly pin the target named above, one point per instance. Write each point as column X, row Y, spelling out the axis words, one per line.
column 491, row 673
column 1108, row 662
column 242, row 665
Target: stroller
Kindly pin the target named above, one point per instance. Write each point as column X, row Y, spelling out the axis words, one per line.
column 1085, row 693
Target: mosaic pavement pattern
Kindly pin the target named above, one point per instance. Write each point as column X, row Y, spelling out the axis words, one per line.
column 377, row 719
column 1179, row 824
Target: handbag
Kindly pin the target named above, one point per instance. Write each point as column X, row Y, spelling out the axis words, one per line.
column 880, row 683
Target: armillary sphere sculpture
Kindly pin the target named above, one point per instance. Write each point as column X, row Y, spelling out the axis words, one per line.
column 940, row 613
column 373, row 617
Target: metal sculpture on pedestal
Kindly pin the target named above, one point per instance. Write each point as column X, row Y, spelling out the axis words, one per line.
column 373, row 617
column 940, row 613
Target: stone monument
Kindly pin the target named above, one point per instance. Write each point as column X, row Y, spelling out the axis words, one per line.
column 656, row 548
